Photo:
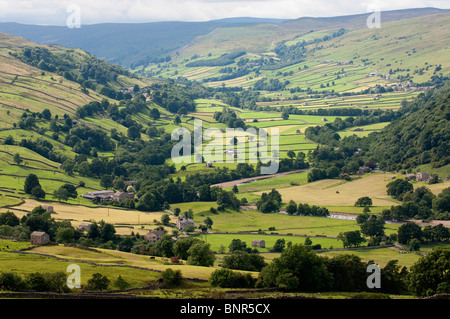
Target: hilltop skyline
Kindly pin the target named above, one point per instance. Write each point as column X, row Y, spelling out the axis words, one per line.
column 52, row 12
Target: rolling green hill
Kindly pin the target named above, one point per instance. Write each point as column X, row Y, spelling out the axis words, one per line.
column 334, row 55
column 82, row 124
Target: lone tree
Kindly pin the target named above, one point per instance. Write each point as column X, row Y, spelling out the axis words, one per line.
column 364, row 201
column 121, row 283
column 31, row 182
column 155, row 114
column 200, row 254
column 17, row 159
column 208, row 222
column 98, row 282
column 171, row 278
column 351, row 238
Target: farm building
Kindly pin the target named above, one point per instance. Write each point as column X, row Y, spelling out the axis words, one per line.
column 84, row 226
column 422, row 176
column 100, row 195
column 183, row 223
column 48, row 208
column 121, row 195
column 258, row 243
column 153, row 236
column 38, row 238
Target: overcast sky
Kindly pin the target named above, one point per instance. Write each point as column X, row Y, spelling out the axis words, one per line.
column 55, row 12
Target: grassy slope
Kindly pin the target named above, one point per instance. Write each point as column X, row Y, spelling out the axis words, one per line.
column 415, row 46
column 404, row 44
column 222, row 222
column 23, row 87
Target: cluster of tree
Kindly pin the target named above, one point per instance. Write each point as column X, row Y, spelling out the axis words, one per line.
column 418, row 137
column 138, row 160
column 244, row 99
column 92, row 108
column 42, row 147
column 419, row 203
column 84, row 139
column 193, row 250
column 331, row 162
column 229, row 117
column 159, row 195
column 287, row 55
column 322, row 173
column 56, row 282
column 299, row 268
column 370, row 226
column 242, row 257
column 362, row 116
column 327, row 134
column 226, row 278
column 306, row 210
column 36, row 281
column 271, row 85
column 121, row 113
column 65, row 191
column 295, row 161
column 412, row 235
column 174, row 97
column 269, row 202
column 224, row 59
column 242, row 260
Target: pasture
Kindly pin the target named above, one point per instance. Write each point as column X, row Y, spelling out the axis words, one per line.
column 124, row 221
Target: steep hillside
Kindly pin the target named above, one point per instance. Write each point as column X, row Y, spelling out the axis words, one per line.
column 420, row 136
column 57, row 110
column 35, row 77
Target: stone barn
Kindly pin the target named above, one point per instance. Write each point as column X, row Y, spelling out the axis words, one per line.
column 48, row 208
column 258, row 243
column 153, row 236
column 183, row 224
column 38, row 238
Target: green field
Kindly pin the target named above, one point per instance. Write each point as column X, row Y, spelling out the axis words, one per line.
column 222, row 241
